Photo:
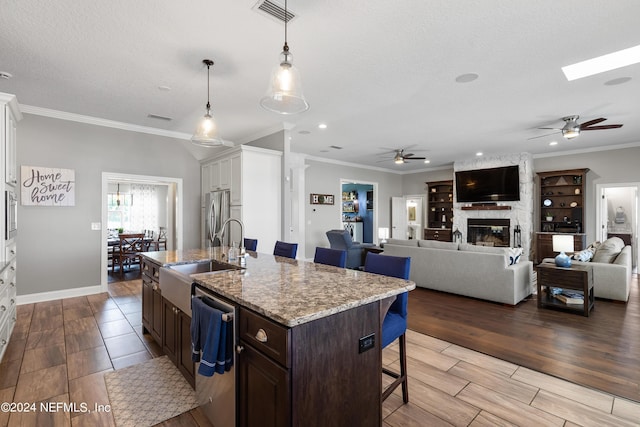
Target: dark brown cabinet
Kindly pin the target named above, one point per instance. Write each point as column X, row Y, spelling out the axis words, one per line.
column 439, row 211
column 544, row 245
column 280, row 367
column 562, row 200
column 265, row 385
column 176, row 339
column 151, row 300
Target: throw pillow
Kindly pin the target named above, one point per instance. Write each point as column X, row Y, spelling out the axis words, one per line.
column 608, row 250
column 513, row 255
column 584, row 255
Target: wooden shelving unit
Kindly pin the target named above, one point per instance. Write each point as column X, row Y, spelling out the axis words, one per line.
column 562, row 197
column 440, row 206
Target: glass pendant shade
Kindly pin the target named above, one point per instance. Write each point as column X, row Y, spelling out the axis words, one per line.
column 571, row 129
column 207, row 132
column 284, row 94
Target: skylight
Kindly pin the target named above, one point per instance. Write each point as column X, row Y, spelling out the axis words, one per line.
column 603, row 63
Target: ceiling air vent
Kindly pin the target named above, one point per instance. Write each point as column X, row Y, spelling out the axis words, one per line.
column 155, row 116
column 273, row 10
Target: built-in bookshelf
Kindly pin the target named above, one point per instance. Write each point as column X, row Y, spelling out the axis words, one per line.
column 440, row 209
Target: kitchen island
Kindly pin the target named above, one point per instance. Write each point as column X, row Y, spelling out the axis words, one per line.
column 308, row 335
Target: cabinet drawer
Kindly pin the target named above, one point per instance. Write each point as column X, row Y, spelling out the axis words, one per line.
column 151, row 270
column 266, row 336
column 10, row 251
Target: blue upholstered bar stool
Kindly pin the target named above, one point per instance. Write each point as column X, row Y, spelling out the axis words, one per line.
column 395, row 322
column 250, row 244
column 285, row 249
column 328, row 256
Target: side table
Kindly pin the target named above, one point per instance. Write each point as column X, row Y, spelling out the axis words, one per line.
column 577, row 278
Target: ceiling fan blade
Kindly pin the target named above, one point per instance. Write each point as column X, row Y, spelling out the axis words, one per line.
column 551, row 128
column 542, row 136
column 414, row 158
column 591, row 122
column 602, row 127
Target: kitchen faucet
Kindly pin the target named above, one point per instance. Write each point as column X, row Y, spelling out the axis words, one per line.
column 220, row 235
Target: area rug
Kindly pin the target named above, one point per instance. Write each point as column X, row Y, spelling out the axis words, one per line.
column 148, row 393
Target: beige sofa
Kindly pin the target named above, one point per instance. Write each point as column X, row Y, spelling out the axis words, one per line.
column 464, row 270
column 611, row 269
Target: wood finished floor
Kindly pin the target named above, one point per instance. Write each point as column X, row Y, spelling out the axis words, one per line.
column 60, row 350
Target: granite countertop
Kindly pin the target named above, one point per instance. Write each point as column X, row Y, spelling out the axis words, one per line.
column 289, row 292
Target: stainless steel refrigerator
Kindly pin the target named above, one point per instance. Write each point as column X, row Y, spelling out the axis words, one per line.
column 217, row 211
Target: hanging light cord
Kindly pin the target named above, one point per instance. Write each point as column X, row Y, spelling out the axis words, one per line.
column 286, row 19
column 208, row 90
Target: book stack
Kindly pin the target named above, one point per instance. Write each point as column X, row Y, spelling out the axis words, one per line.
column 570, row 297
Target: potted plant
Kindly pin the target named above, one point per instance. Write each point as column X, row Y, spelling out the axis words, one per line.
column 120, row 230
column 548, row 216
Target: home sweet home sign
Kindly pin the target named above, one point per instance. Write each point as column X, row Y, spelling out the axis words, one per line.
column 47, row 186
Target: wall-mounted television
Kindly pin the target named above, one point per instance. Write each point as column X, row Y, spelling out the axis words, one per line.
column 488, row 185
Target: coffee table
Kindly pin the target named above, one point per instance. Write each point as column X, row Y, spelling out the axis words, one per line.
column 575, row 278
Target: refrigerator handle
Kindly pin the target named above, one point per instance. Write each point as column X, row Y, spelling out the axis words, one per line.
column 212, row 222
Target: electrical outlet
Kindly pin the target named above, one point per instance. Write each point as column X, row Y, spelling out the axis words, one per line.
column 96, row 226
column 366, row 343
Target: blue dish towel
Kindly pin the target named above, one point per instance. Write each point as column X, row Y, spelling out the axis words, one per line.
column 211, row 336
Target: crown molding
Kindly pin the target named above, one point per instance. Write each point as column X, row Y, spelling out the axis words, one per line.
column 62, row 115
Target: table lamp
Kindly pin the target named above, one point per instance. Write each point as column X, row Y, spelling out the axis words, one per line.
column 383, row 235
column 562, row 244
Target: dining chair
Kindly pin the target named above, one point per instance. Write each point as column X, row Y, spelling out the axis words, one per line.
column 285, row 249
column 129, row 249
column 250, row 244
column 161, row 243
column 335, row 257
column 394, row 325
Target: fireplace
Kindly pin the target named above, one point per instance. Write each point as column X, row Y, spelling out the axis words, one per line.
column 488, row 232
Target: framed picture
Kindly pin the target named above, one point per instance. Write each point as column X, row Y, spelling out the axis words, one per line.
column 321, row 199
column 412, row 213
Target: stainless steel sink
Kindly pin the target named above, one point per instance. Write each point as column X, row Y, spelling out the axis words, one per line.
column 175, row 280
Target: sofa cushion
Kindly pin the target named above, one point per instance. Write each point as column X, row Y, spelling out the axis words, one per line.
column 402, row 242
column 436, row 244
column 608, row 250
column 511, row 255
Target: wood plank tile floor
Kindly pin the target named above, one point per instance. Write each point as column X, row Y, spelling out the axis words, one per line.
column 60, row 350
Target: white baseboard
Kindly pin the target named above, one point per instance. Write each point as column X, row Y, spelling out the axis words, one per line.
column 53, row 295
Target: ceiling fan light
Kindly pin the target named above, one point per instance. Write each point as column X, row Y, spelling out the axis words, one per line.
column 571, row 133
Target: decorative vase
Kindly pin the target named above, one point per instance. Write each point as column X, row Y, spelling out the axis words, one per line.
column 549, row 218
column 563, row 260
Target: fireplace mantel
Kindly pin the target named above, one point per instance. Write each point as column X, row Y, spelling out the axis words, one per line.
column 486, row 208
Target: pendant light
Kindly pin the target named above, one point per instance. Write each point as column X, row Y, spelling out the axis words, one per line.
column 284, row 95
column 207, row 132
column 118, row 196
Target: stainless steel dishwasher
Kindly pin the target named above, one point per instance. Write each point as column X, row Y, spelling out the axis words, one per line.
column 217, row 394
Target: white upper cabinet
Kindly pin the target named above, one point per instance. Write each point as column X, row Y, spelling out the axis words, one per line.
column 11, row 168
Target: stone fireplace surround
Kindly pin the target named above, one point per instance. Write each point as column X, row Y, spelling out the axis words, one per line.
column 518, row 213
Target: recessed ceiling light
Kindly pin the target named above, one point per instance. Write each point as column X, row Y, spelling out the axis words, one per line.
column 304, row 132
column 479, row 153
column 553, row 143
column 617, row 81
column 600, row 64
column 5, row 75
column 466, row 78
column 322, row 126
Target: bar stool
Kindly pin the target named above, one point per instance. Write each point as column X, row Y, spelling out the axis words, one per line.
column 335, row 257
column 394, row 325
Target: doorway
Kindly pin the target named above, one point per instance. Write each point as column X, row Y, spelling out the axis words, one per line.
column 168, row 215
column 358, row 210
column 618, row 214
column 408, row 216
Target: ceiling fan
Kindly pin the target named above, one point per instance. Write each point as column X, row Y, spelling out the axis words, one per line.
column 401, row 157
column 572, row 128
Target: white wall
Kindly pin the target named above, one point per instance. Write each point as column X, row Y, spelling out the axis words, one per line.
column 57, row 250
column 324, row 178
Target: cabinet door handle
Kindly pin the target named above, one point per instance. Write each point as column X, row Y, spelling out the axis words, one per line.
column 4, row 342
column 155, row 287
column 261, row 335
column 239, row 349
column 3, row 308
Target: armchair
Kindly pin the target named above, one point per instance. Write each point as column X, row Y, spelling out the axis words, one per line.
column 341, row 239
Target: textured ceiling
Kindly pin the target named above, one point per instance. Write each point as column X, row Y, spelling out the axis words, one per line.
column 381, row 75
